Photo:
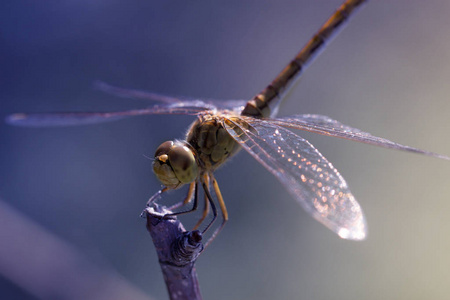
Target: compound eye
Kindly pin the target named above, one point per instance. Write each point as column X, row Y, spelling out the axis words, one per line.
column 183, row 163
column 162, row 168
column 164, row 148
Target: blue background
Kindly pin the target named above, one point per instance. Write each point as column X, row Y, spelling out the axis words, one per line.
column 387, row 73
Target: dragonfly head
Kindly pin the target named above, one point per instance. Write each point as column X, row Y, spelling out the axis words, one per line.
column 175, row 164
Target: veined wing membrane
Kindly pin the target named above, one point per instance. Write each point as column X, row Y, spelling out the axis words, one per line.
column 134, row 94
column 84, row 118
column 324, row 125
column 236, row 105
column 305, row 172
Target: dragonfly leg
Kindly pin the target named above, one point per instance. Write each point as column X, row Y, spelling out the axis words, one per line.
column 187, row 199
column 223, row 208
column 205, row 211
column 211, row 201
column 156, row 196
column 193, row 186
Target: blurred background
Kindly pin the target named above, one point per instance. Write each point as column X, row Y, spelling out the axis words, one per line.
column 387, row 73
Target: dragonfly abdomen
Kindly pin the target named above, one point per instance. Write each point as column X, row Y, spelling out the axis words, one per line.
column 265, row 103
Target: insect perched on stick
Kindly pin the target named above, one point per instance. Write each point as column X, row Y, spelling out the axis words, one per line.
column 222, row 128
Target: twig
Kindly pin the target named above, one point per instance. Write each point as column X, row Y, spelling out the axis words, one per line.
column 177, row 251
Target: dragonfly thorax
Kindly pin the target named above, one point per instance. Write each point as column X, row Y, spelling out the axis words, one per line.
column 175, row 164
column 212, row 143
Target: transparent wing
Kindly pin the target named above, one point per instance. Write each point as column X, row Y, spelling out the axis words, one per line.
column 83, row 118
column 306, row 174
column 235, row 105
column 327, row 126
column 133, row 94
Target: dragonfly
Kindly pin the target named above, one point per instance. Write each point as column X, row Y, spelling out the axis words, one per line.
column 222, row 128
